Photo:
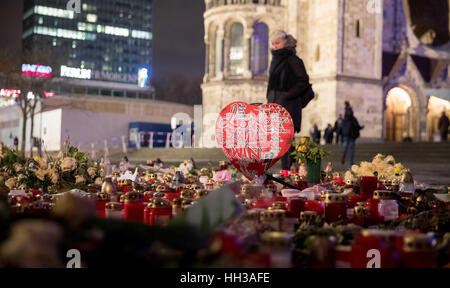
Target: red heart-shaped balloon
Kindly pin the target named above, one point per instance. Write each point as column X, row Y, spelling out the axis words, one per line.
column 254, row 138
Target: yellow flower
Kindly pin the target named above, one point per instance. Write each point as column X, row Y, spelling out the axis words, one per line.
column 41, row 162
column 303, row 149
column 304, row 140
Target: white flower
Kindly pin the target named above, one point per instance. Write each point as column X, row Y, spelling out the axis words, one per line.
column 11, row 183
column 389, row 159
column 54, row 176
column 68, row 164
column 60, row 155
column 40, row 174
column 79, row 179
column 355, row 169
column 17, row 167
column 98, row 181
column 92, row 171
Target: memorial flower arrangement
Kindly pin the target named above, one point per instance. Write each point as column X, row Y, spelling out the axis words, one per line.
column 70, row 169
column 381, row 166
column 309, row 151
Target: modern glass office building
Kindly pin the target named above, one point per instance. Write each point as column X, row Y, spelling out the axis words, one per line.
column 109, row 40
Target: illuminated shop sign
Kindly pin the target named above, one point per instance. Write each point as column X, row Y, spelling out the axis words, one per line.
column 49, row 94
column 9, row 93
column 142, row 77
column 36, row 70
column 111, row 76
column 75, row 72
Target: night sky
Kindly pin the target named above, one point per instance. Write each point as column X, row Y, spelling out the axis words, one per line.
column 178, row 31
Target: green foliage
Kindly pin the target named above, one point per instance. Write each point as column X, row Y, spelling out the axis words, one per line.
column 308, row 150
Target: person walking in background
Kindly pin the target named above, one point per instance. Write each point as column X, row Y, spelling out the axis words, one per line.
column 351, row 131
column 443, row 125
column 338, row 129
column 288, row 83
column 315, row 133
column 328, row 135
column 16, row 143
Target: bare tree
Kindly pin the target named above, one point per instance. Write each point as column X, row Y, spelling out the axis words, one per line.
column 31, row 87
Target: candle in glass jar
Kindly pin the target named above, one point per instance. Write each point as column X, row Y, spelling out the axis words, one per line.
column 102, row 199
column 114, row 210
column 177, row 207
column 335, row 207
column 295, row 206
column 161, row 213
column 367, row 185
column 416, row 251
column 273, row 218
column 133, row 208
column 279, row 247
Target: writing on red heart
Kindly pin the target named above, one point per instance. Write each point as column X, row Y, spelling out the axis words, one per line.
column 253, row 137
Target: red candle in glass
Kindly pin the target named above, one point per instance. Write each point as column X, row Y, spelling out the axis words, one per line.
column 161, row 212
column 35, row 192
column 147, row 211
column 147, row 196
column 352, row 200
column 133, row 208
column 261, row 203
column 416, row 251
column 171, row 195
column 335, row 207
column 295, row 206
column 102, row 199
column 367, row 184
column 369, row 240
column 313, row 205
column 374, row 217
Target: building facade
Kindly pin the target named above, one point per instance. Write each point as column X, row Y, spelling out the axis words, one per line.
column 364, row 52
column 111, row 39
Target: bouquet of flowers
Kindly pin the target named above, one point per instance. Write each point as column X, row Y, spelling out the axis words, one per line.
column 309, row 151
column 70, row 169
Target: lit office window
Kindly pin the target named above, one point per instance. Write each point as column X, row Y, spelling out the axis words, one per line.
column 141, row 34
column 74, row 44
column 55, row 12
column 63, row 33
column 41, row 20
column 236, row 53
column 91, row 18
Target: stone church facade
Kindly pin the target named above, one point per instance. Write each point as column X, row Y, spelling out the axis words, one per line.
column 364, row 52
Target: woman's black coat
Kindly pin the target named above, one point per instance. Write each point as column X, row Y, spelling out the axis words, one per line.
column 289, row 83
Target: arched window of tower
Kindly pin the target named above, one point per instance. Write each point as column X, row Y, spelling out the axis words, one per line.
column 236, row 52
column 260, row 49
column 218, row 53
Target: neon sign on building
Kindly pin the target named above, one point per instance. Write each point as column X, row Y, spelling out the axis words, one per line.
column 37, row 70
column 75, row 72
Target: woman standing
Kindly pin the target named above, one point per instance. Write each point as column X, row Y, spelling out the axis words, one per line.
column 288, row 83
